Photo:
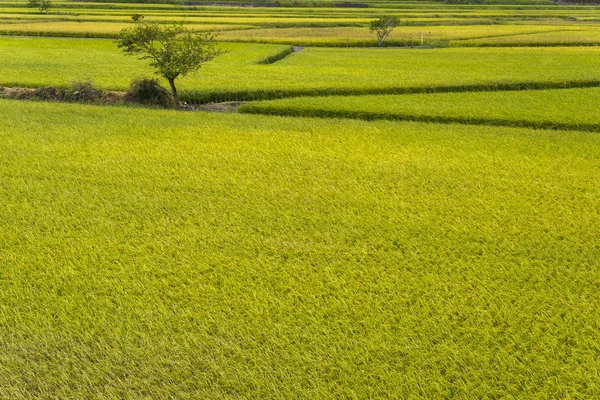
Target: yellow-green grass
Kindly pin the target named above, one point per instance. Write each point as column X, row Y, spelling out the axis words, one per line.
column 42, row 60
column 79, row 25
column 162, row 254
column 113, row 8
column 292, row 28
column 320, row 9
column 202, row 16
column 409, row 34
column 16, row 20
column 102, row 18
column 227, row 16
column 277, row 20
column 34, row 62
column 125, row 15
column 253, row 20
column 315, row 14
column 401, row 9
column 88, row 29
column 557, row 38
column 575, row 109
column 403, row 6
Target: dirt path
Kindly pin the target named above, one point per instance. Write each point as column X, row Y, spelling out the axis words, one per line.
column 103, row 97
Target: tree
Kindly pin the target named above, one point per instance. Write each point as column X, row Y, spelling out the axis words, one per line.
column 43, row 5
column 383, row 27
column 173, row 50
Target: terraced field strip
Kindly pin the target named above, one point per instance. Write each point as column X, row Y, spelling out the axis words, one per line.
column 574, row 109
column 311, row 36
column 105, row 20
column 402, row 9
column 557, row 38
column 339, row 36
column 36, row 62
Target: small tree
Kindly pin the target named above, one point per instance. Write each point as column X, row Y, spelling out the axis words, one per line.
column 173, row 50
column 383, row 27
column 43, row 5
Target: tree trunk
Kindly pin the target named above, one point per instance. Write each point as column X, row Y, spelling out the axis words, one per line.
column 174, row 90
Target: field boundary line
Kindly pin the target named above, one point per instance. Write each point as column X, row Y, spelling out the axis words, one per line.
column 272, row 59
column 198, row 97
column 373, row 116
column 515, row 34
column 530, row 44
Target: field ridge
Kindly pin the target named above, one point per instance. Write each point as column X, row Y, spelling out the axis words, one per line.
column 373, row 116
column 202, row 97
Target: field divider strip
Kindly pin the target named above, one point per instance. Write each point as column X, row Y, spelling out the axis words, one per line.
column 373, row 116
column 272, row 59
column 528, row 44
column 198, row 97
column 515, row 34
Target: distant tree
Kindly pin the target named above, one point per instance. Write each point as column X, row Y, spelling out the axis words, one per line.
column 43, row 5
column 173, row 50
column 383, row 27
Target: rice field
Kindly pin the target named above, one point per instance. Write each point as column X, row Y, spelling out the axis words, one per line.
column 88, row 30
column 556, row 38
column 324, row 25
column 432, row 234
column 38, row 62
column 154, row 253
column 407, row 35
column 574, row 109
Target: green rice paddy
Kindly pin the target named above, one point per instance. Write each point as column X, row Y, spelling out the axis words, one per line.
column 37, row 62
column 565, row 108
column 150, row 253
column 432, row 235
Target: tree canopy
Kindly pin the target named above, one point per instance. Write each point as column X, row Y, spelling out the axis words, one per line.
column 173, row 50
column 383, row 27
column 43, row 5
